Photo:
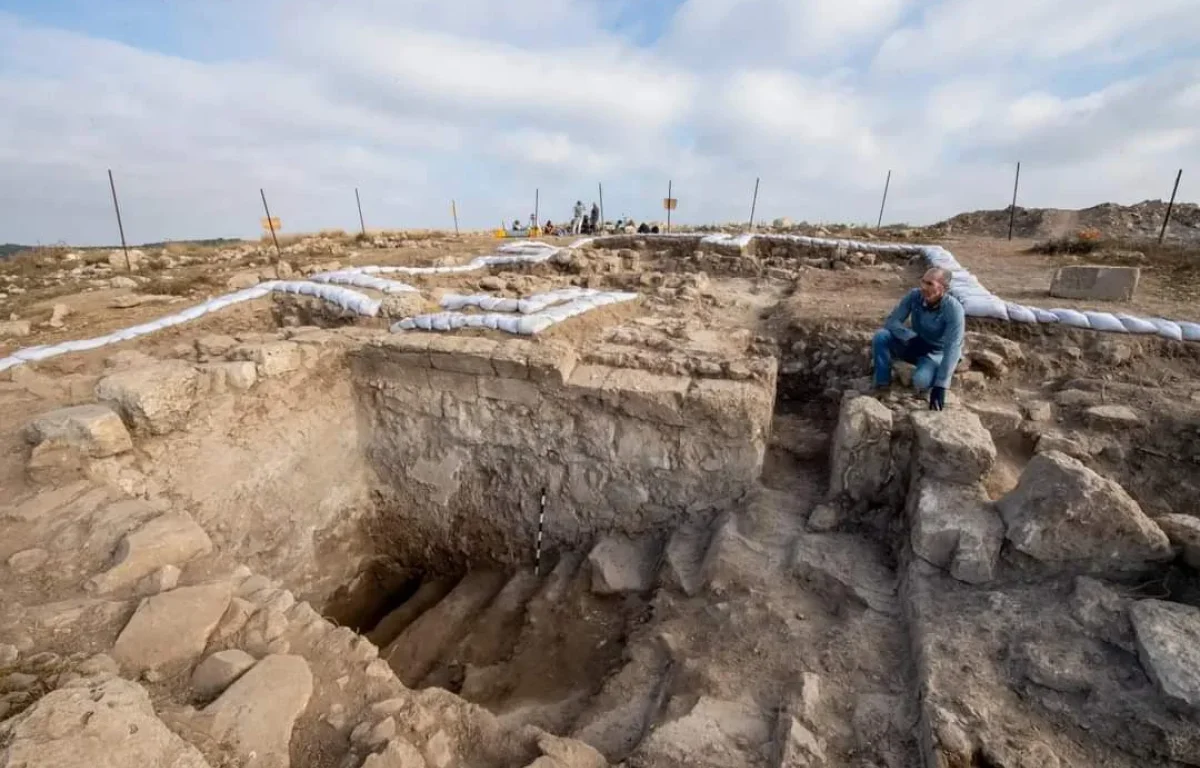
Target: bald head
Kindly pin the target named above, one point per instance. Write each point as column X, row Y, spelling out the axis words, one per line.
column 934, row 284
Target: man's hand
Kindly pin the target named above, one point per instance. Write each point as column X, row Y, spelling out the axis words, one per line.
column 937, row 398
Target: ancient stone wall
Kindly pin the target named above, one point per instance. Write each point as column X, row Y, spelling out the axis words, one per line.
column 466, row 433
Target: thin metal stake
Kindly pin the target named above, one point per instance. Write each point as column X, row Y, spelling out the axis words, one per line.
column 537, row 558
column 601, row 222
column 1170, row 205
column 454, row 213
column 1012, row 215
column 271, row 225
column 754, row 203
column 120, row 227
column 361, row 226
column 886, row 184
column 668, row 205
column 536, row 200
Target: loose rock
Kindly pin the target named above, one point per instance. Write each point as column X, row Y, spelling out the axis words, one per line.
column 170, row 539
column 94, row 430
column 1168, row 641
column 256, row 714
column 620, row 564
column 171, row 627
column 155, row 399
column 1063, row 512
column 1184, row 533
column 218, row 671
column 952, row 446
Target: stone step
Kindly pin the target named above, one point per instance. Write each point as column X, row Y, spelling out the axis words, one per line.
column 684, row 556
column 619, row 717
column 418, row 647
column 492, row 636
column 427, row 595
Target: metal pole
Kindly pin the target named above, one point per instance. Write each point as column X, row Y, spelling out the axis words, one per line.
column 886, row 184
column 536, row 200
column 601, row 187
column 120, row 227
column 271, row 225
column 357, row 201
column 668, row 205
column 537, row 557
column 454, row 213
column 1170, row 205
column 1012, row 215
column 754, row 203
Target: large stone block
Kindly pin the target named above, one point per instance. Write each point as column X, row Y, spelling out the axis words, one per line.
column 510, row 390
column 1095, row 282
column 1063, row 512
column 952, row 446
column 732, row 408
column 462, row 354
column 551, row 363
column 154, row 399
column 861, row 459
column 172, row 627
column 94, row 430
column 650, row 396
column 955, row 527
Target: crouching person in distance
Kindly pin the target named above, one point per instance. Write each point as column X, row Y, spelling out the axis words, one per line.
column 933, row 343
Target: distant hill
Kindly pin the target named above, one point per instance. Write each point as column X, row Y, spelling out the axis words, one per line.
column 1139, row 221
column 8, row 249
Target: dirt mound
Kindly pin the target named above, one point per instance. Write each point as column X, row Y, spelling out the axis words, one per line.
column 1143, row 220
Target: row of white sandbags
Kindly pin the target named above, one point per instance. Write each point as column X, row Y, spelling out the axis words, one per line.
column 526, row 306
column 525, row 325
column 343, row 297
column 524, row 252
column 363, row 280
column 977, row 300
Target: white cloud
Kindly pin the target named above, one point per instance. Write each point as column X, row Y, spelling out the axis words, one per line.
column 422, row 101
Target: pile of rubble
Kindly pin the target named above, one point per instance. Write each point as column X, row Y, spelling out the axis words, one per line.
column 1140, row 221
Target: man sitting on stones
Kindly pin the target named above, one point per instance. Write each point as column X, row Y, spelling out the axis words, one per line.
column 933, row 343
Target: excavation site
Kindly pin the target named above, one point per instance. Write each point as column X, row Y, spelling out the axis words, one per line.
column 629, row 500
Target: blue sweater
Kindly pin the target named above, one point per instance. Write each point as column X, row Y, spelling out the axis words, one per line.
column 941, row 327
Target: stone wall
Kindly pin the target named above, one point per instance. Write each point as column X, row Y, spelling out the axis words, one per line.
column 465, row 433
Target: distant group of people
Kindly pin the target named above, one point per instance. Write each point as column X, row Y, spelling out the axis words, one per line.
column 585, row 222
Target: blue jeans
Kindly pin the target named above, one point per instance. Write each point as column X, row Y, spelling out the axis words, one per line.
column 885, row 346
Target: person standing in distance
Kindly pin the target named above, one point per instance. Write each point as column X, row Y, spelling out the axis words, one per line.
column 933, row 343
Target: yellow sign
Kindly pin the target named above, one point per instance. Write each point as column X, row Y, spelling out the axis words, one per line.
column 272, row 223
column 670, row 203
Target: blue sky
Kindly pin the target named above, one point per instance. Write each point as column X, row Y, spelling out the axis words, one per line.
column 196, row 104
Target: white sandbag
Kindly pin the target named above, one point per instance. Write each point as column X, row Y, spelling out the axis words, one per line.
column 1044, row 315
column 1071, row 317
column 1167, row 328
column 1104, row 321
column 1135, row 324
column 1019, row 313
column 1190, row 331
column 979, row 306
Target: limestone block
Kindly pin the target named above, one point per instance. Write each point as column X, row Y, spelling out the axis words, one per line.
column 510, row 359
column 952, row 446
column 406, row 349
column 170, row 539
column 650, row 396
column 510, row 390
column 171, row 627
column 462, row 354
column 12, row 329
column 1168, row 642
column 256, row 714
column 1113, row 417
column 271, row 358
column 104, row 723
column 1103, row 283
column 1184, row 534
column 239, row 375
column 460, row 385
column 551, row 363
column 592, row 382
column 1063, row 512
column 620, row 564
column 1000, row 419
column 955, row 528
column 218, row 671
column 861, row 459
column 844, row 564
column 94, row 430
column 731, row 408
column 154, row 399
column 214, row 345
column 1102, row 612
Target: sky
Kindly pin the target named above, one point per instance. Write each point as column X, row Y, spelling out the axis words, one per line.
column 196, row 105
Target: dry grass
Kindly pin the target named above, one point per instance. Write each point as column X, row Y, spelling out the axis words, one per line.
column 34, row 262
column 182, row 285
